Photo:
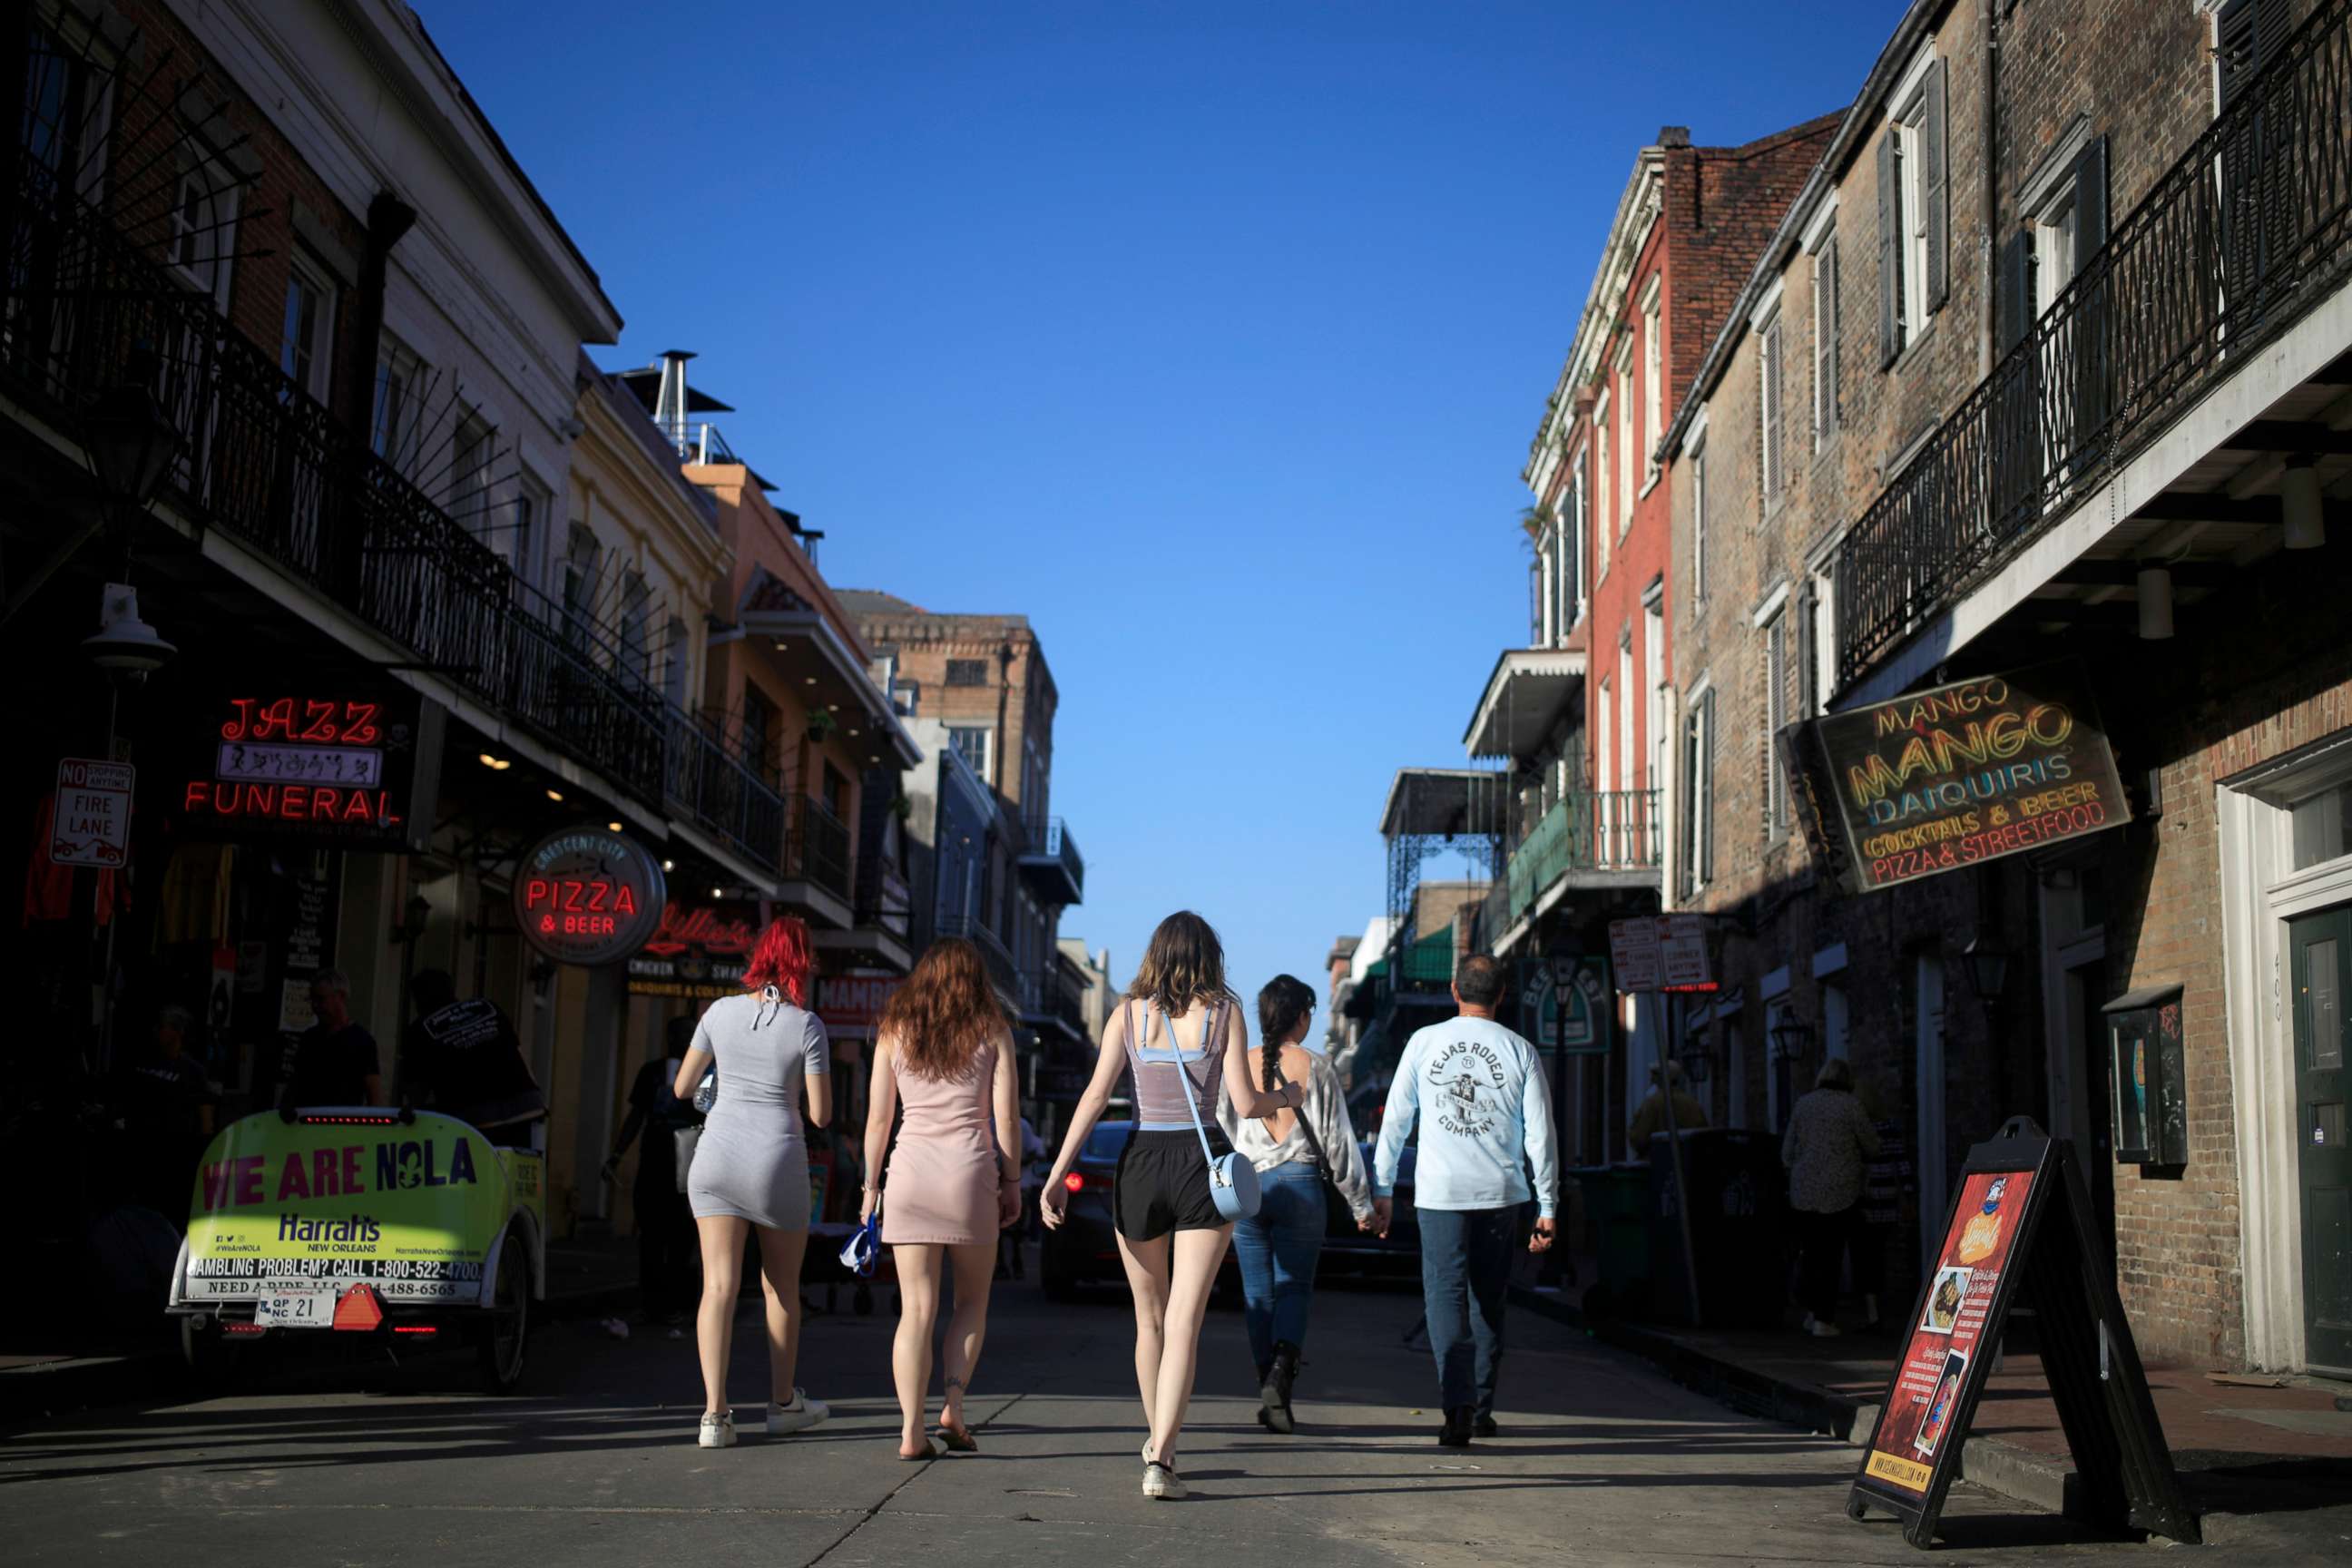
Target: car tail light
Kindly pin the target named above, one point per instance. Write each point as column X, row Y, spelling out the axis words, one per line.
column 1075, row 1182
column 416, row 1328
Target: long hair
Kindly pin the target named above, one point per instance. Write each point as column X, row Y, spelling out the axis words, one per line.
column 1284, row 1001
column 782, row 958
column 944, row 1012
column 1183, row 963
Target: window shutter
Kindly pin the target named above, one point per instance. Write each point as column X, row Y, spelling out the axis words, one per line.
column 1806, row 655
column 2016, row 310
column 1825, row 317
column 1687, row 841
column 1774, row 416
column 2090, row 202
column 1706, row 762
column 2246, row 34
column 1935, row 192
column 1890, row 243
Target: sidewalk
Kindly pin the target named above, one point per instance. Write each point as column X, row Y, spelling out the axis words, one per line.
column 2235, row 1438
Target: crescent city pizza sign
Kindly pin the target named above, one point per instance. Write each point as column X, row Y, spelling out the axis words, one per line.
column 588, row 896
column 1955, row 776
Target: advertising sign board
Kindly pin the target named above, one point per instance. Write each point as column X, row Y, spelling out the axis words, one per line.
column 1955, row 776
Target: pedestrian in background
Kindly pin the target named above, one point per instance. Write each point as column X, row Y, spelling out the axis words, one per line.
column 665, row 1238
column 1295, row 1153
column 1650, row 1118
column 168, row 1107
column 750, row 1168
column 1478, row 1091
column 1886, row 1181
column 1828, row 1140
column 943, row 1050
column 464, row 1059
column 1187, row 1034
column 335, row 1061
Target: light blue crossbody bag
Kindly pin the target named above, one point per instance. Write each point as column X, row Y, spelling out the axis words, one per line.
column 1232, row 1179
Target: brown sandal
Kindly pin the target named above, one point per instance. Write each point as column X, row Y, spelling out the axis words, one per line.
column 959, row 1439
column 928, row 1452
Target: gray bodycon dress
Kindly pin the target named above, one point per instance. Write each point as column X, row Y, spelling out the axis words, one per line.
column 752, row 1160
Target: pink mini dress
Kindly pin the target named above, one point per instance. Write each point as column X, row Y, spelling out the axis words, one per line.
column 941, row 1186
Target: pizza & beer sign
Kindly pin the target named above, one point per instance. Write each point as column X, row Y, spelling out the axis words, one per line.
column 589, row 896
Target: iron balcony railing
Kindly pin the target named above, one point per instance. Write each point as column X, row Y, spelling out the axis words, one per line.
column 821, row 848
column 263, row 462
column 2241, row 238
column 1596, row 831
column 1048, row 843
column 884, row 899
column 993, row 954
column 1048, row 994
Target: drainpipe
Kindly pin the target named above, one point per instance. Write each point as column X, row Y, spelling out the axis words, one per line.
column 388, row 218
column 1004, row 712
column 1989, row 252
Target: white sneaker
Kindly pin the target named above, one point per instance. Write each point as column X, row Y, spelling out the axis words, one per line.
column 1821, row 1330
column 1160, row 1482
column 801, row 1413
column 718, row 1429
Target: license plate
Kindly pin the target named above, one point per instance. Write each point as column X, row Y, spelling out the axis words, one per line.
column 310, row 1306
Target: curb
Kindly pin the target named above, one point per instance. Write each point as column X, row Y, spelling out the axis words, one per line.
column 2018, row 1474
column 55, row 1388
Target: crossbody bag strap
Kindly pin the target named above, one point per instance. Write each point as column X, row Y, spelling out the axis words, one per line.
column 1176, row 1049
column 1307, row 1131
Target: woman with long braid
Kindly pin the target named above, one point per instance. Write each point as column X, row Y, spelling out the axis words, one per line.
column 1296, row 1152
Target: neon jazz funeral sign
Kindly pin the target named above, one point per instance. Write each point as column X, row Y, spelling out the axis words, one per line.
column 1937, row 780
column 344, row 767
column 588, row 896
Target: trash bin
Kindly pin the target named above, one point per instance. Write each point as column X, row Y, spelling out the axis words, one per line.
column 1736, row 1229
column 1617, row 1205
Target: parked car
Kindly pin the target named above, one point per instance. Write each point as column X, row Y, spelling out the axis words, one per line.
column 1085, row 1249
column 1350, row 1252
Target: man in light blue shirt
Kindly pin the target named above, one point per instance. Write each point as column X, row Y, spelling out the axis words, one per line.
column 1478, row 1091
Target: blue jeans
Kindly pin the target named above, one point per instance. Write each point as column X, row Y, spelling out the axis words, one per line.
column 1277, row 1247
column 1466, row 1267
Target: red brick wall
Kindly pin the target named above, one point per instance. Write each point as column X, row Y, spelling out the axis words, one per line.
column 144, row 169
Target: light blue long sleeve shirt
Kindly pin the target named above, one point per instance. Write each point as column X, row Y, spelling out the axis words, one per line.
column 1488, row 1118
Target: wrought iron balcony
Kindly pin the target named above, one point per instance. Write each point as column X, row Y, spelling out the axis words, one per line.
column 1050, row 859
column 264, row 463
column 821, row 851
column 1049, row 996
column 1597, row 838
column 2246, row 234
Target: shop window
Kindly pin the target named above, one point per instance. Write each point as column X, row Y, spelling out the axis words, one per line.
column 2151, row 1103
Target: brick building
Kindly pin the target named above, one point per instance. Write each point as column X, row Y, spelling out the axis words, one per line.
column 1580, row 714
column 2047, row 361
column 980, row 684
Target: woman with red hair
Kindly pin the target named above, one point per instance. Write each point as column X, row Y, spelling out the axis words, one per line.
column 944, row 1053
column 750, row 1168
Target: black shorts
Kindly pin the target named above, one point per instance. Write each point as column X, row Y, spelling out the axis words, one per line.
column 1162, row 1184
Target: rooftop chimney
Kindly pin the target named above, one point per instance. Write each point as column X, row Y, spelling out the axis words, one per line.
column 669, row 402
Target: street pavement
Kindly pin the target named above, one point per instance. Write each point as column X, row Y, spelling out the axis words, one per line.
column 1603, row 1460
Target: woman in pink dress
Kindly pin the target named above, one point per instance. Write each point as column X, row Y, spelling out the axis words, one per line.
column 944, row 1052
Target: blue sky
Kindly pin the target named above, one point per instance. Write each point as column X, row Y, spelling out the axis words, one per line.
column 1210, row 336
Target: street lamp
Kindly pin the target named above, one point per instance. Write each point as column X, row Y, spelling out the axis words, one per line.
column 1792, row 1035
column 1988, row 967
column 129, row 438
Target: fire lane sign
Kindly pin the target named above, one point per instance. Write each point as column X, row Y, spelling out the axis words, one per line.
column 92, row 825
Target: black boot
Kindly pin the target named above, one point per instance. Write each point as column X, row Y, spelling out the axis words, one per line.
column 1263, row 1368
column 1274, row 1391
column 1455, row 1432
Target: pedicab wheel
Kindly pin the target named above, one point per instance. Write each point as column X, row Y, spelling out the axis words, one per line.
column 212, row 1357
column 863, row 1299
column 506, row 1336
